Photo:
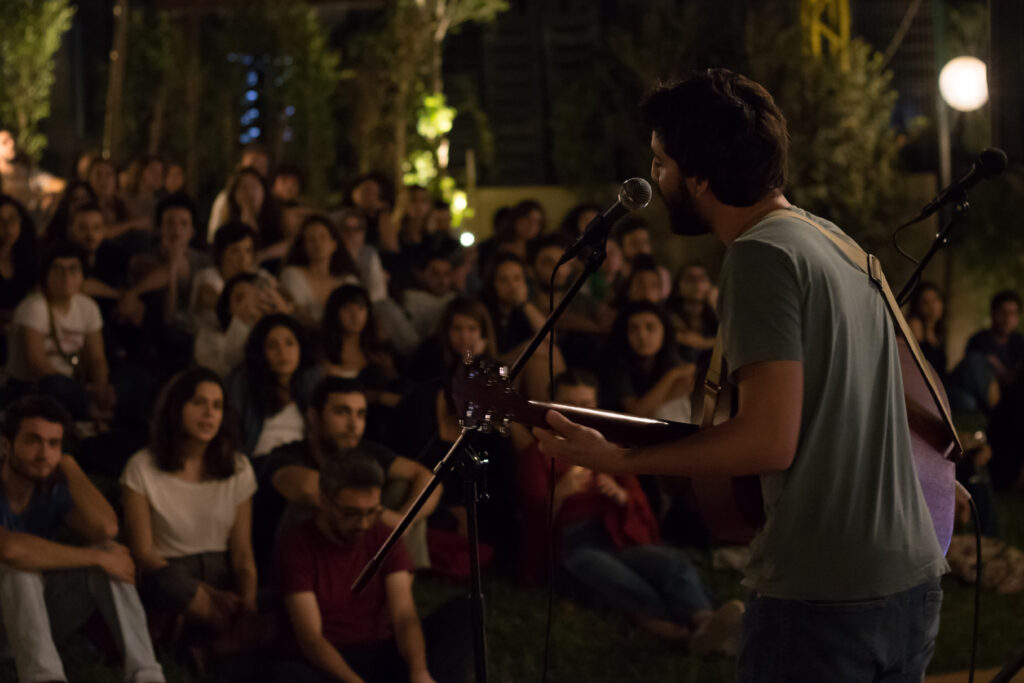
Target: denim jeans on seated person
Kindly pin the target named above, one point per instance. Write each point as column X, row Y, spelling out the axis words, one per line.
column 652, row 581
column 885, row 639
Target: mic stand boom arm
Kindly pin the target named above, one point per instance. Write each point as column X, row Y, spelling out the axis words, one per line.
column 960, row 209
column 470, row 465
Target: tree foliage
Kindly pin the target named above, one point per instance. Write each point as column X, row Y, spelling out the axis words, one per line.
column 30, row 35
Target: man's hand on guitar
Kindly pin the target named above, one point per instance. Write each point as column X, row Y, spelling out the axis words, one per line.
column 579, row 445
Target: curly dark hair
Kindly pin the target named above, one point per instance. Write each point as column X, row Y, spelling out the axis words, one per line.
column 264, row 381
column 168, row 430
column 725, row 128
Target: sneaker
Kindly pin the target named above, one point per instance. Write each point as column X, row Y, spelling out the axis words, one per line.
column 721, row 633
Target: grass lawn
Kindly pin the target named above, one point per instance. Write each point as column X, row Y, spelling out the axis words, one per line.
column 596, row 645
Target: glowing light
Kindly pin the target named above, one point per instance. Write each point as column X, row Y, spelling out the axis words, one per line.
column 252, row 78
column 467, row 239
column 254, row 132
column 289, row 110
column 459, row 201
column 963, row 83
column 251, row 95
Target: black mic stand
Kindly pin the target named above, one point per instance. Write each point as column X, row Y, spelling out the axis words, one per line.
column 471, row 466
column 960, row 208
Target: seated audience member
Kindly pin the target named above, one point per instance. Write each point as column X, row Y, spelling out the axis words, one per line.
column 254, row 155
column 318, row 263
column 271, row 389
column 49, row 590
column 174, row 179
column 433, row 291
column 352, row 226
column 352, row 348
column 337, row 424
column 56, row 344
column 634, row 238
column 145, row 186
column 286, row 185
column 517, row 228
column 644, row 375
column 577, row 219
column 643, row 282
column 234, row 252
column 993, row 359
column 188, row 507
column 372, row 194
column 692, row 310
column 244, row 299
column 375, row 636
column 164, row 277
column 607, row 541
column 250, row 202
column 516, row 319
column 927, row 321
column 104, row 265
column 32, row 187
column 102, row 177
column 17, row 257
column 77, row 193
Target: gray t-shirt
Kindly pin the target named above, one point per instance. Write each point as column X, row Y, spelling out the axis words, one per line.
column 847, row 520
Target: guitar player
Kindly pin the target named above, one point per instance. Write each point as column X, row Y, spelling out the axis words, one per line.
column 845, row 571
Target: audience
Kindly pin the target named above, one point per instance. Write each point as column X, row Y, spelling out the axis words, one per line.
column 334, row 365
column 337, row 424
column 375, row 635
column 49, row 589
column 607, row 541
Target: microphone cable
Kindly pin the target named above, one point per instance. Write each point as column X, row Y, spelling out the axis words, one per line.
column 976, row 519
column 550, row 545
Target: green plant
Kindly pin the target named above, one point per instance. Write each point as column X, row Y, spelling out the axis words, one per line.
column 30, row 35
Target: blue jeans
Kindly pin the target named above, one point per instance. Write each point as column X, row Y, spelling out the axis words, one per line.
column 886, row 639
column 651, row 581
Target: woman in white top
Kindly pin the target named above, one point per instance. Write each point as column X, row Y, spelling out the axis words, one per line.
column 188, row 507
column 234, row 252
column 318, row 263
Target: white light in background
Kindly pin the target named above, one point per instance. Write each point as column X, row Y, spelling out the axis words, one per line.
column 963, row 83
column 467, row 239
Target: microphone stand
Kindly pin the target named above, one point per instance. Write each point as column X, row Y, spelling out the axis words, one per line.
column 470, row 464
column 960, row 208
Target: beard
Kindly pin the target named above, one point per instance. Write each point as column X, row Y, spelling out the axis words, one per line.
column 25, row 472
column 682, row 213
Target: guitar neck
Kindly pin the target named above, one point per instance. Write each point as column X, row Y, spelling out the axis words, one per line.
column 625, row 430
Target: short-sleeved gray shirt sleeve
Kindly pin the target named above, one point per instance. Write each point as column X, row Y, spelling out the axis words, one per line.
column 847, row 520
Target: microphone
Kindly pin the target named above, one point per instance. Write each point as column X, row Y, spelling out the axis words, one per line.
column 634, row 194
column 989, row 164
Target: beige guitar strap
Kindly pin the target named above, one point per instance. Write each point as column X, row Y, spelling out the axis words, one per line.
column 871, row 266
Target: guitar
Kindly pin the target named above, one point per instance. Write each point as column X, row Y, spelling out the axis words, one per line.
column 732, row 508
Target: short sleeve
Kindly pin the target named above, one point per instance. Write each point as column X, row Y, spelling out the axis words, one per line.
column 246, row 484
column 32, row 313
column 92, row 319
column 134, row 476
column 296, row 563
column 760, row 305
column 295, row 283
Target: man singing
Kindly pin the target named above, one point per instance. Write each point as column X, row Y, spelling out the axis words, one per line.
column 845, row 571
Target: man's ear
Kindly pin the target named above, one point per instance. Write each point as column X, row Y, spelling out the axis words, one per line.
column 697, row 186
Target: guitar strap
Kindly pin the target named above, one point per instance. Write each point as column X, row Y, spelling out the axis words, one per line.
column 870, row 265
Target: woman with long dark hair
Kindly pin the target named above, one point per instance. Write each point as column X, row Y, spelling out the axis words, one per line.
column 692, row 307
column 188, row 506
column 318, row 263
column 17, row 256
column 643, row 370
column 271, row 389
column 927, row 321
column 249, row 201
column 77, row 193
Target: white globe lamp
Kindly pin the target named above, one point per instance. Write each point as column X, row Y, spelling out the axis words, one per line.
column 963, row 83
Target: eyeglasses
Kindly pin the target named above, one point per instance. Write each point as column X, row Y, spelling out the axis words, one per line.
column 350, row 514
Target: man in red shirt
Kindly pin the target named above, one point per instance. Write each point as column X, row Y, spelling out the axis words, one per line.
column 375, row 635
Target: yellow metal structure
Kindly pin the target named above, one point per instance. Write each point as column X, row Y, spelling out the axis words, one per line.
column 826, row 28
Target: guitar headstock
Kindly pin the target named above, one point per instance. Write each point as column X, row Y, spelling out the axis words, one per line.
column 483, row 395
